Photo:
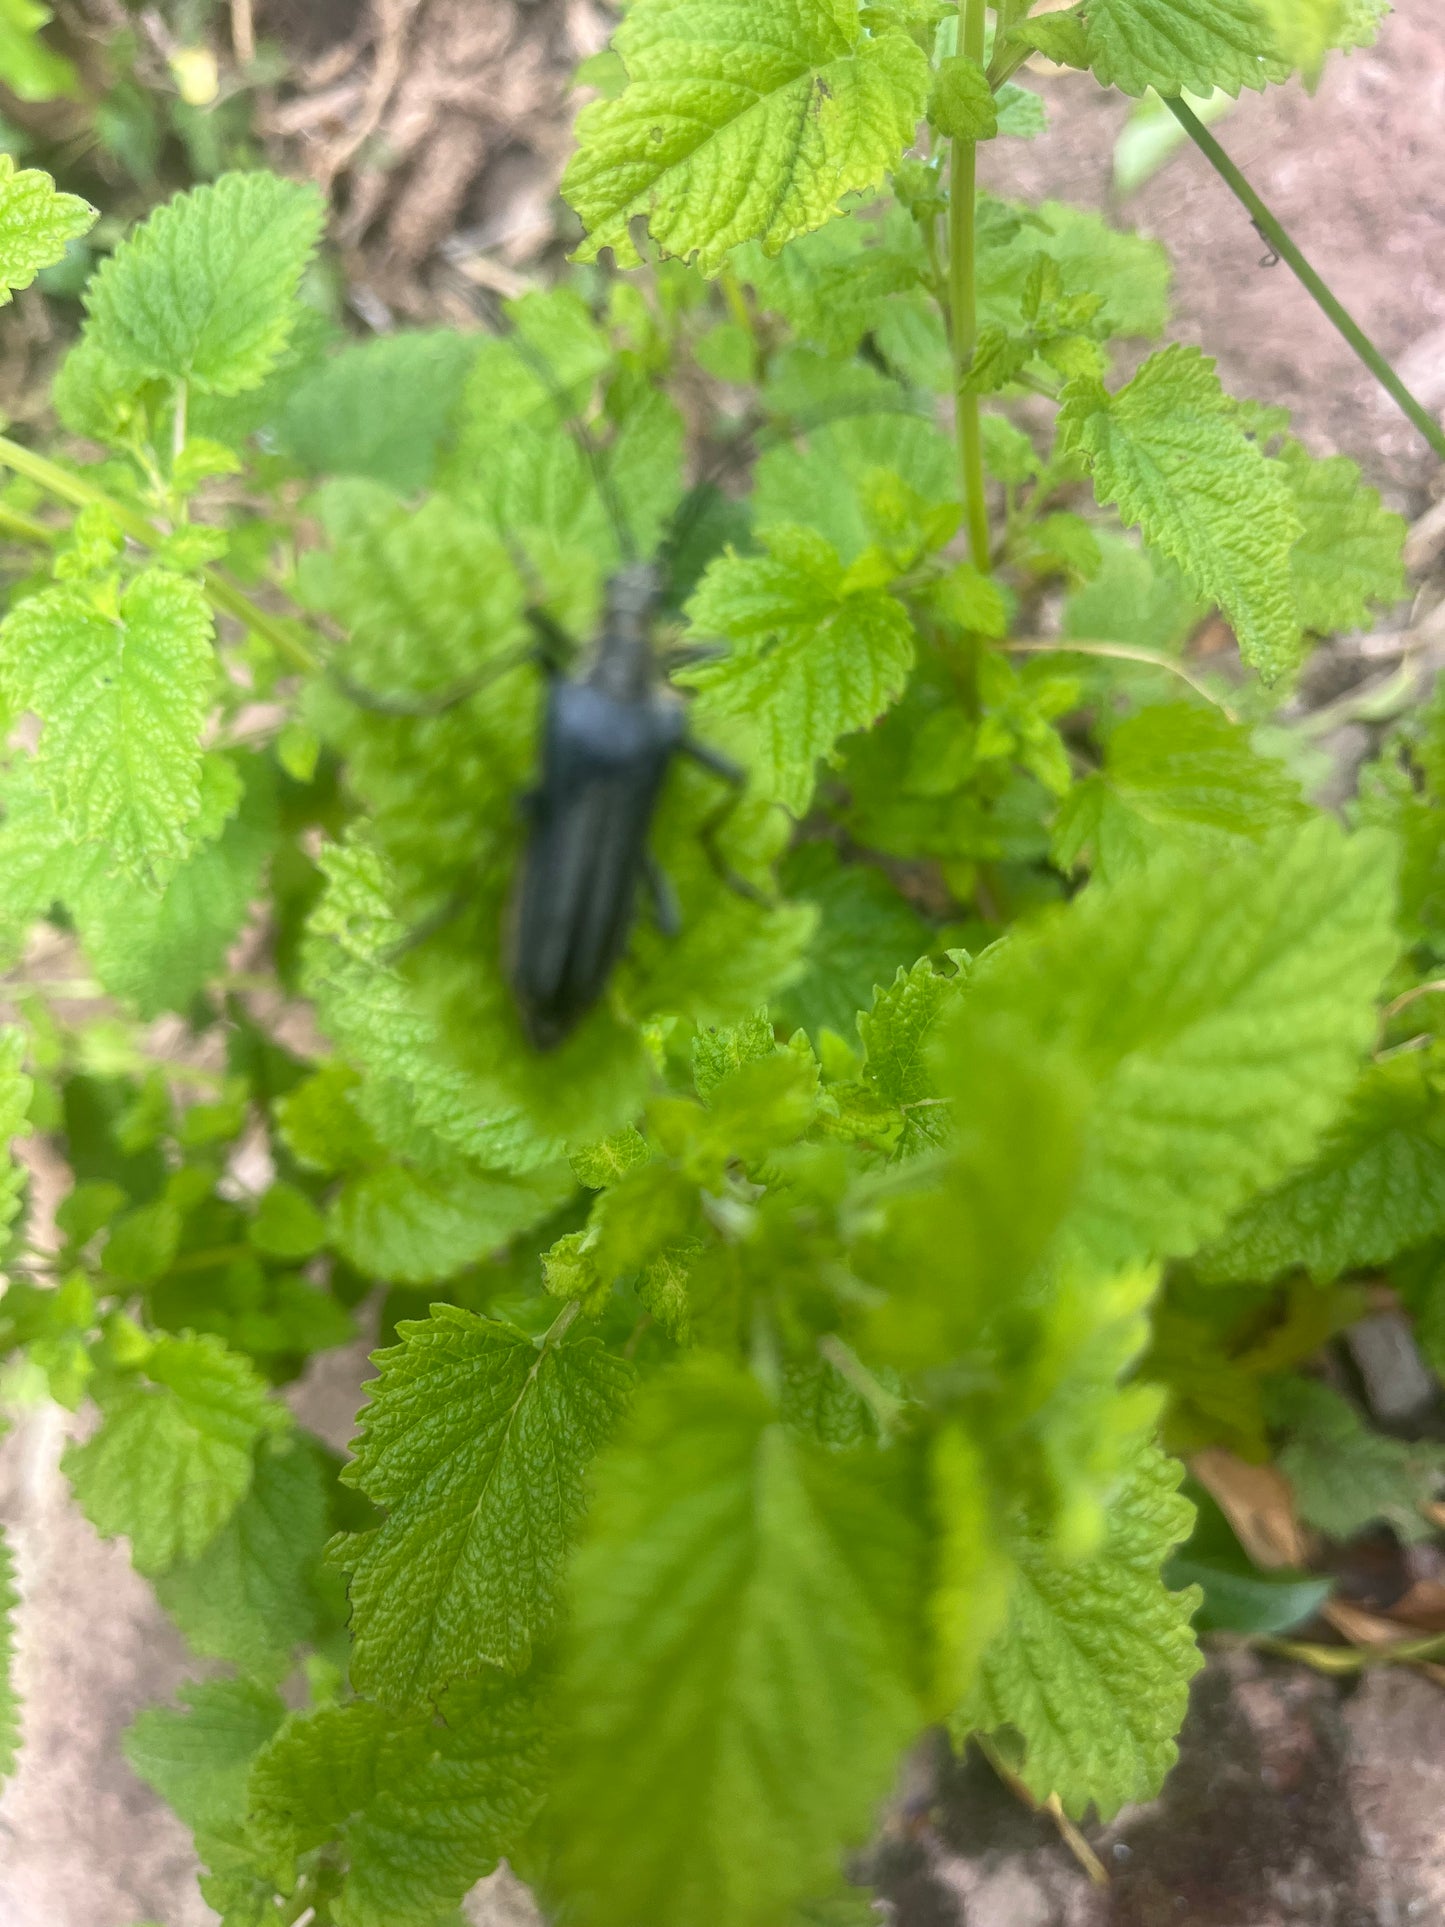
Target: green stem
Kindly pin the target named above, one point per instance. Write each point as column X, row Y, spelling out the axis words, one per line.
column 1117, row 652
column 1269, row 227
column 885, row 1406
column 963, row 300
column 66, row 487
column 25, row 528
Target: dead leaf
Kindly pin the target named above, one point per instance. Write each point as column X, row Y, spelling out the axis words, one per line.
column 1259, row 1505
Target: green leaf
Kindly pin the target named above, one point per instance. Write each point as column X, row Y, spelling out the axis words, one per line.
column 598, row 1165
column 199, row 1761
column 816, row 658
column 842, row 458
column 1127, row 276
column 1348, row 557
column 834, row 285
column 413, row 1079
column 122, row 694
column 248, row 1597
column 866, row 934
column 16, row 1091
column 1058, row 37
column 1346, row 1477
column 899, row 1034
column 157, row 952
column 743, row 123
column 1360, row 23
column 740, row 1662
column 1305, row 30
column 1237, row 1596
column 1175, row 776
column 35, row 855
column 1376, row 1187
column 961, row 105
column 424, row 1804
column 320, row 1124
column 414, row 1227
column 37, row 224
column 1168, row 450
column 9, row 1698
column 1136, row 597
column 29, row 68
column 476, row 1441
column 287, row 1224
column 1093, row 1667
column 1219, row 1016
column 379, row 408
column 205, row 290
column 1176, row 46
column 1021, row 112
column 172, row 1459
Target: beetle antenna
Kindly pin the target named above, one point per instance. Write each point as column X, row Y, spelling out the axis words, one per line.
column 537, row 363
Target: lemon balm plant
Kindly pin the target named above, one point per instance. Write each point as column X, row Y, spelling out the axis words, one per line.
column 788, row 1362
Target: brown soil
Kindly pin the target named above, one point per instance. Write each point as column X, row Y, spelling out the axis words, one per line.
column 1357, row 175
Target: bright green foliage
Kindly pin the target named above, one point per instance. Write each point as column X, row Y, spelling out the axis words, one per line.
column 749, row 122
column 205, row 291
column 961, row 105
column 817, row 657
column 1136, row 597
column 1218, row 1016
column 1306, row 30
column 1169, row 452
column 1092, row 1667
column 368, row 1009
column 740, row 1663
column 864, row 927
column 1178, row 46
column 857, row 470
column 36, row 223
column 899, row 1036
column 173, row 1457
column 28, row 67
column 476, row 1441
column 1175, row 776
column 250, row 1595
column 199, row 1760
column 422, row 1805
column 1348, row 557
column 379, row 409
column 16, row 1092
column 9, row 1701
column 1376, row 1188
column 156, row 952
column 803, row 1324
column 122, row 690
column 417, row 1226
column 1122, row 280
column 1346, row 1477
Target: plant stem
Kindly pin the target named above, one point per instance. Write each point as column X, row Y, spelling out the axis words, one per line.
column 1270, row 228
column 885, row 1406
column 963, row 300
column 1116, row 652
column 24, row 528
column 66, row 487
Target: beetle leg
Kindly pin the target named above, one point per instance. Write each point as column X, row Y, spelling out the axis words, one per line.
column 687, row 653
column 434, row 920
column 726, row 771
column 666, row 911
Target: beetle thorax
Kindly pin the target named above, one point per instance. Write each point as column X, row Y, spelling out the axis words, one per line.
column 622, row 664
